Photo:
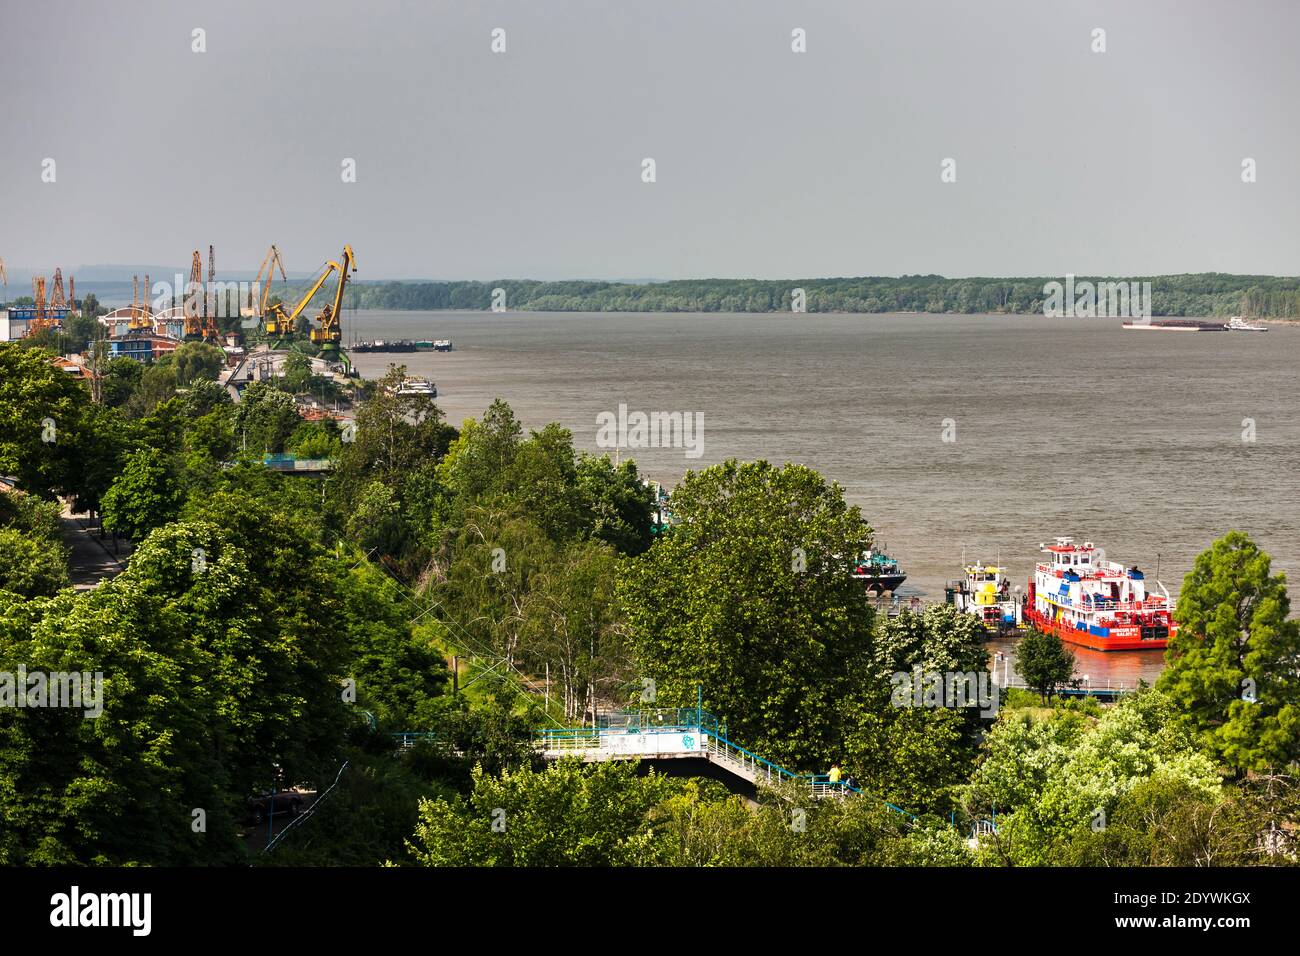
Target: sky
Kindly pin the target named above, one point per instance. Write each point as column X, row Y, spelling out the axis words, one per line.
column 769, row 163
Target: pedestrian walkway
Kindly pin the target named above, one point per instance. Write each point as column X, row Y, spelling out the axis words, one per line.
column 680, row 734
column 91, row 560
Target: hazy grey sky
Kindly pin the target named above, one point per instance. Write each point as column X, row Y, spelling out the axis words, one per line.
column 770, row 163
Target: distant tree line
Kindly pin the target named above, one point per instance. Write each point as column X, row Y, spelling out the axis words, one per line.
column 1199, row 294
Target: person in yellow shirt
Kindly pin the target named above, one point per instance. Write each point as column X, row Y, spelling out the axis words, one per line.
column 835, row 775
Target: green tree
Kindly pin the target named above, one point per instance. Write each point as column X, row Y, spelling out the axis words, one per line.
column 223, row 646
column 570, row 627
column 616, row 503
column 197, row 362
column 1232, row 667
column 41, row 412
column 917, row 756
column 400, row 675
column 749, row 597
column 569, row 814
column 121, row 380
column 157, row 385
column 30, row 565
column 146, row 495
column 264, row 419
column 204, row 396
column 1044, row 662
column 1049, row 785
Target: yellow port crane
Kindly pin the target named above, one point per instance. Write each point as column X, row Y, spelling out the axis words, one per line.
column 280, row 323
column 139, row 305
column 270, row 262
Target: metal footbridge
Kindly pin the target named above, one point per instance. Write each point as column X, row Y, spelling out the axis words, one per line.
column 689, row 733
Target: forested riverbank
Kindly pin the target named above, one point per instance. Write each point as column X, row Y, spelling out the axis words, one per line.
column 1200, row 294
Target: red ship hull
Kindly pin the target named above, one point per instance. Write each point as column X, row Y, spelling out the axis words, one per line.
column 1119, row 638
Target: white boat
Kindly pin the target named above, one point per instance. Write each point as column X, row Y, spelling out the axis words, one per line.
column 418, row 386
column 985, row 592
column 1239, row 324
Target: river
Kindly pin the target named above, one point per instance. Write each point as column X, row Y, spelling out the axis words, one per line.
column 957, row 435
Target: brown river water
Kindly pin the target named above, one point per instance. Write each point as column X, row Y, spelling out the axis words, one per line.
column 958, row 435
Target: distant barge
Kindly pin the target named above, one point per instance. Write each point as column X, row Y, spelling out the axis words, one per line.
column 1176, row 325
column 402, row 345
column 1234, row 324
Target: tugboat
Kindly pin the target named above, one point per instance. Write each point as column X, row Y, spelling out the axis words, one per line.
column 661, row 516
column 878, row 572
column 985, row 592
column 1084, row 599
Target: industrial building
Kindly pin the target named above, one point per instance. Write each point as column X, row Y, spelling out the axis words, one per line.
column 17, row 321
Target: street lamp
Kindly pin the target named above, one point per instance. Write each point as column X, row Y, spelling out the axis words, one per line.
column 1006, row 667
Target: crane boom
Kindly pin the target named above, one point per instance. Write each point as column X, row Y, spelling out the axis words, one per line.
column 279, row 322
column 209, row 319
column 270, row 262
column 328, row 334
column 191, row 308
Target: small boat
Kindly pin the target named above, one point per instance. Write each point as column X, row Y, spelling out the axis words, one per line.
column 1082, row 598
column 1239, row 324
column 985, row 592
column 442, row 345
column 417, row 386
column 878, row 572
column 661, row 515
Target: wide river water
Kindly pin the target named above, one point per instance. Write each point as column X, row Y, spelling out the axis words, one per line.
column 1150, row 444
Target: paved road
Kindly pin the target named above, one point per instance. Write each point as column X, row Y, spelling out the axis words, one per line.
column 90, row 560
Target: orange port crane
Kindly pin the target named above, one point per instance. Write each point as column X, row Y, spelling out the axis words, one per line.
column 41, row 321
column 270, row 262
column 209, row 318
column 4, row 277
column 59, row 300
column 191, row 307
column 280, row 323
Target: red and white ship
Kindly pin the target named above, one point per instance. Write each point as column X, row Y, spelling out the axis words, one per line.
column 1080, row 596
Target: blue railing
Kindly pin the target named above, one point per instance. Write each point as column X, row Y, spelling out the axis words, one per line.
column 690, row 720
column 408, row 738
column 294, row 463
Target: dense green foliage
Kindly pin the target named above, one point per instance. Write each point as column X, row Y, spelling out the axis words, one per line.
column 275, row 630
column 1044, row 662
column 32, row 559
column 1208, row 293
column 1234, row 667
